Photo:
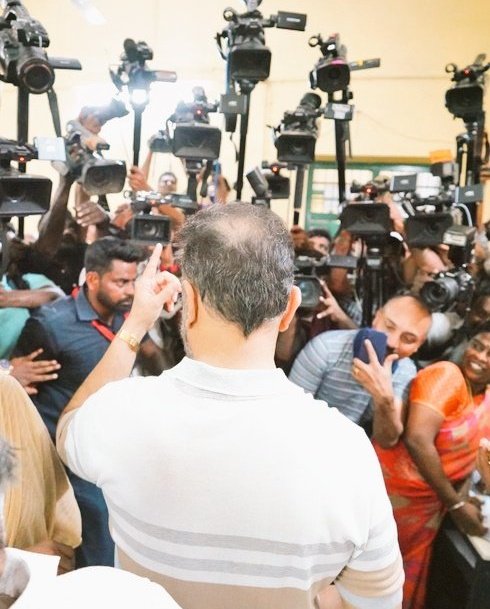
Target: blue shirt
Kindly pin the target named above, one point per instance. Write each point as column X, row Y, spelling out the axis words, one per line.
column 64, row 330
column 324, row 368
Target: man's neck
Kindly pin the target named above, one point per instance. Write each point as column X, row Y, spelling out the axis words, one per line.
column 226, row 347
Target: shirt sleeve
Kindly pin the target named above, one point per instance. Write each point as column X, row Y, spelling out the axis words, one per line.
column 85, row 437
column 441, row 387
column 374, row 577
column 311, row 365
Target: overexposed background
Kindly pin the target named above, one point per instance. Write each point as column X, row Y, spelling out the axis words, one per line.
column 399, row 107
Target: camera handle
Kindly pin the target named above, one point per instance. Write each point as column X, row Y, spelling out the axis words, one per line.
column 246, row 88
column 371, row 268
column 469, row 156
column 298, row 193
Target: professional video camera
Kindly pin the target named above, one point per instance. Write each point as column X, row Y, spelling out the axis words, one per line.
column 248, row 57
column 332, row 72
column 134, row 74
column 24, row 194
column 279, row 185
column 369, row 191
column 192, row 137
column 149, row 228
column 308, row 271
column 97, row 175
column 465, row 98
column 295, row 137
column 23, row 60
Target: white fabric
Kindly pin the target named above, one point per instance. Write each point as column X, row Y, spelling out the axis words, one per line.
column 91, row 587
column 234, row 477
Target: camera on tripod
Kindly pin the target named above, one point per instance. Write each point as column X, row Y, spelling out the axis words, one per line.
column 247, row 55
column 23, row 60
column 134, row 74
column 295, row 137
column 279, row 185
column 465, row 98
column 97, row 175
column 308, row 271
column 148, row 228
column 192, row 137
column 23, row 194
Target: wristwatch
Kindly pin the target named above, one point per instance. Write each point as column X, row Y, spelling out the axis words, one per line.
column 5, row 366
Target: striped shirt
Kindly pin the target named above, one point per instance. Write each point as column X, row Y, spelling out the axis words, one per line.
column 235, row 489
column 324, row 369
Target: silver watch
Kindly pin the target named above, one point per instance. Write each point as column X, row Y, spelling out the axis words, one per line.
column 5, row 366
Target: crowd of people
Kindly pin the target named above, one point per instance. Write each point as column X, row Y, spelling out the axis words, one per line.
column 184, row 453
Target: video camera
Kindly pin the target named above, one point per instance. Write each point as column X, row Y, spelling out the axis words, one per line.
column 192, row 137
column 295, row 137
column 23, row 60
column 369, row 191
column 150, row 228
column 332, row 71
column 279, row 185
column 248, row 57
column 97, row 175
column 465, row 98
column 134, row 74
column 309, row 269
column 23, row 194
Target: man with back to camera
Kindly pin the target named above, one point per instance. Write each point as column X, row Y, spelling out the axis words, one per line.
column 367, row 393
column 225, row 482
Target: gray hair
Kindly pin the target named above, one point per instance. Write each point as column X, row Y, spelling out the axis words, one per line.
column 240, row 258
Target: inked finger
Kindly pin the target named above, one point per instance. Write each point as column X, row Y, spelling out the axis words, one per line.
column 153, row 262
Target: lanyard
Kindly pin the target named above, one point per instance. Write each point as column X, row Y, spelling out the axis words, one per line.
column 101, row 328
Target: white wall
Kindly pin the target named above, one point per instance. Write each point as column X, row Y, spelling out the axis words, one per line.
column 399, row 106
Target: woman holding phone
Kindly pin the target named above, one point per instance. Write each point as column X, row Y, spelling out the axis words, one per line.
column 425, row 472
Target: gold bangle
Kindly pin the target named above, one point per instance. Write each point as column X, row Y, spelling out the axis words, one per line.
column 132, row 342
column 456, row 506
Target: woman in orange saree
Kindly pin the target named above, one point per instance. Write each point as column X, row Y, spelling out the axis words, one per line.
column 448, row 414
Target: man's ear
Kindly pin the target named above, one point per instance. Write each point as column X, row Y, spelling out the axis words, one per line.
column 294, row 301
column 92, row 279
column 192, row 301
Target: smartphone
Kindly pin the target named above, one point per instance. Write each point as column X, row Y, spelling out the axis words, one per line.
column 378, row 340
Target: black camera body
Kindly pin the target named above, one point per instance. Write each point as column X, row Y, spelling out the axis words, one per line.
column 448, row 288
column 465, row 98
column 308, row 270
column 23, row 60
column 295, row 137
column 249, row 60
column 21, row 194
column 332, row 72
column 193, row 137
column 97, row 175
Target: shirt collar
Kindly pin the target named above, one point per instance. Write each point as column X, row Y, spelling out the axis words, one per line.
column 85, row 311
column 231, row 381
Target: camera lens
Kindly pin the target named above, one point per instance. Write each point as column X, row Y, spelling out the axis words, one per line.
column 439, row 294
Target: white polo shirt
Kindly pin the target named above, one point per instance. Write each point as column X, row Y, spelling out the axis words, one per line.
column 234, row 488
